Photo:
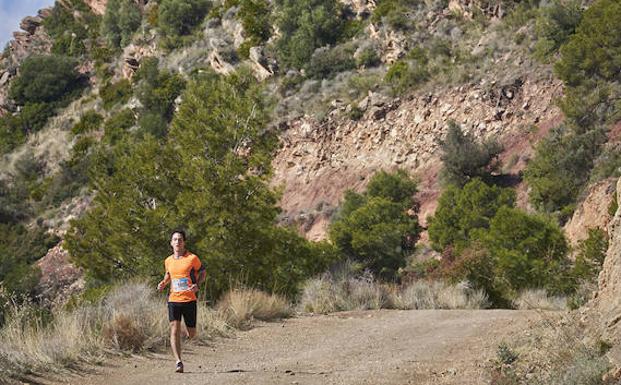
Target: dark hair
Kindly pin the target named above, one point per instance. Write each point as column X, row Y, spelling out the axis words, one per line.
column 178, row 231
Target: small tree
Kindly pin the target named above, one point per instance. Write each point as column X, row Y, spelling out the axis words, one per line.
column 306, row 25
column 528, row 252
column 121, row 19
column 463, row 158
column 374, row 228
column 45, row 79
column 179, row 17
column 461, row 211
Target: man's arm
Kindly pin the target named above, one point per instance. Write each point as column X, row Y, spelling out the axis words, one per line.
column 164, row 282
column 202, row 273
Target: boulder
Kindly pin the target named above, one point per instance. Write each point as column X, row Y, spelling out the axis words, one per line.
column 30, row 24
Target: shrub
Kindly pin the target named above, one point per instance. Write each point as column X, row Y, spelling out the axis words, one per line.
column 306, row 25
column 255, row 18
column 461, row 211
column 368, row 57
column 157, row 90
column 555, row 24
column 589, row 67
column 591, row 254
column 561, row 168
column 394, row 13
column 327, row 62
column 70, row 33
column 409, row 71
column 373, row 228
column 463, row 158
column 45, row 79
column 113, row 94
column 121, row 19
column 528, row 252
column 116, row 127
column 90, row 121
column 180, row 17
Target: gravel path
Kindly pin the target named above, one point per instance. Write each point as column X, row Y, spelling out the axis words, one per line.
column 370, row 347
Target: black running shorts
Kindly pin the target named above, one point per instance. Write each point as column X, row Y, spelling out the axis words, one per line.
column 185, row 309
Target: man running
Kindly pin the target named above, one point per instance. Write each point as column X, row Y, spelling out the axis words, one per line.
column 185, row 273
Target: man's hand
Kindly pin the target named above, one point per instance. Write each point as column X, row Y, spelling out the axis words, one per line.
column 161, row 285
column 194, row 288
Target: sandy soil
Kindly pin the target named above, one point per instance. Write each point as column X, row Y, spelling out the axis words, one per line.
column 371, row 347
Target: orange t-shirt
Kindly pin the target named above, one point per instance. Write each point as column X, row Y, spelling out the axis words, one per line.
column 183, row 273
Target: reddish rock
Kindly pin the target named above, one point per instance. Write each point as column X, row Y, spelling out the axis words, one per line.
column 59, row 278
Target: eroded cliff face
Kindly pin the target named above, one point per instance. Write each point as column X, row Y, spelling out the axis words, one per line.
column 592, row 212
column 318, row 162
column 605, row 309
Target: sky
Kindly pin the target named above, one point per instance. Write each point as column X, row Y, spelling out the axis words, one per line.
column 13, row 11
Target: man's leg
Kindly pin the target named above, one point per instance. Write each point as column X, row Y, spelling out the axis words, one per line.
column 175, row 339
column 191, row 333
column 189, row 318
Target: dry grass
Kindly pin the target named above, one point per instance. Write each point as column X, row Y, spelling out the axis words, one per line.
column 239, row 307
column 539, row 299
column 438, row 295
column 345, row 290
column 557, row 351
column 130, row 318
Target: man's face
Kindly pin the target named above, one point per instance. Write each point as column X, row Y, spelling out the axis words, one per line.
column 177, row 242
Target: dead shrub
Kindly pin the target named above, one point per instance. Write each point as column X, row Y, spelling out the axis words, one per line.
column 124, row 334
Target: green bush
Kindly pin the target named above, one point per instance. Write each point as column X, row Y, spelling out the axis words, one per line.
column 528, row 252
column 374, row 228
column 561, row 168
column 121, row 19
column 395, row 13
column 409, row 71
column 90, row 121
column 462, row 210
column 327, row 62
column 255, row 17
column 368, row 57
column 306, row 25
column 591, row 254
column 463, row 158
column 555, row 24
column 179, row 17
column 115, row 93
column 19, row 249
column 589, row 67
column 45, row 79
column 117, row 126
column 157, row 90
column 70, row 33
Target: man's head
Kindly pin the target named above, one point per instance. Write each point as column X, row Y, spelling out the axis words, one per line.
column 177, row 241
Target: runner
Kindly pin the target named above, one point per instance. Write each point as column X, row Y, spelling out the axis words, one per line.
column 181, row 271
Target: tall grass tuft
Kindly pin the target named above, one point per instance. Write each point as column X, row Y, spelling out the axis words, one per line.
column 539, row 299
column 239, row 307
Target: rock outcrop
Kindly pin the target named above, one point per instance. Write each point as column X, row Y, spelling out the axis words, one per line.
column 59, row 278
column 605, row 309
column 318, row 161
column 592, row 212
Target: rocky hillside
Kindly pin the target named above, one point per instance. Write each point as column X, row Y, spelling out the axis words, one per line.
column 379, row 97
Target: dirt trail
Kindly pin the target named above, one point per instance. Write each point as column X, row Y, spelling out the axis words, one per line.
column 371, row 347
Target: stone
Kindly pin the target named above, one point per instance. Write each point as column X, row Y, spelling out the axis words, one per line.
column 30, row 24
column 5, row 77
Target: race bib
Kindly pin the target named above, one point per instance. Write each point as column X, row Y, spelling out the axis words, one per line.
column 180, row 284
